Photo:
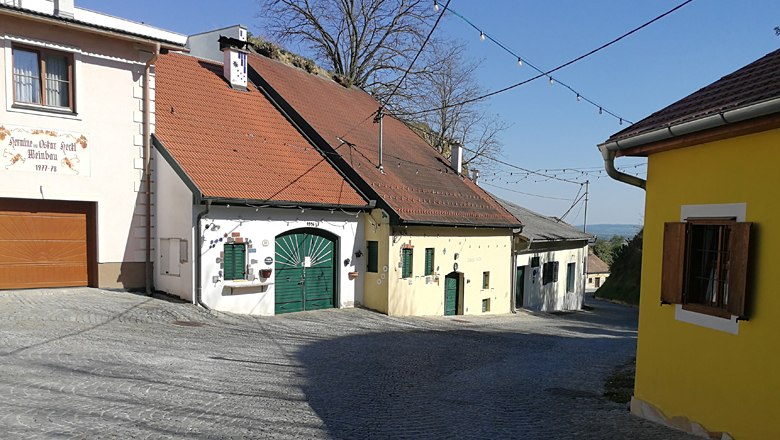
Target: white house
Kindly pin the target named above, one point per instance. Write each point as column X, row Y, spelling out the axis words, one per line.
column 76, row 111
column 251, row 217
column 549, row 260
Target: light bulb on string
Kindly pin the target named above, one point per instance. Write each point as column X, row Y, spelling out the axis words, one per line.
column 481, row 36
column 519, row 62
column 621, row 121
column 436, row 6
column 579, row 98
column 552, row 81
column 600, row 110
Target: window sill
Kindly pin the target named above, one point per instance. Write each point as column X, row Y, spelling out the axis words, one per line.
column 44, row 109
column 706, row 310
column 246, row 283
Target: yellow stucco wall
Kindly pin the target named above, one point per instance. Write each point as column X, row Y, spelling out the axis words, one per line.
column 722, row 381
column 377, row 228
column 478, row 251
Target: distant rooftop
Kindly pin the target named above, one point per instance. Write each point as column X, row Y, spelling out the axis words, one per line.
column 538, row 227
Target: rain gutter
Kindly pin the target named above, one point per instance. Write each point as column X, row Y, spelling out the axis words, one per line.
column 609, row 150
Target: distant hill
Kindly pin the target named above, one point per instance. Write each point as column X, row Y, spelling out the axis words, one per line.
column 606, row 231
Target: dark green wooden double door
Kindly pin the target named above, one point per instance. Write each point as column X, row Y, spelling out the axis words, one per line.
column 305, row 267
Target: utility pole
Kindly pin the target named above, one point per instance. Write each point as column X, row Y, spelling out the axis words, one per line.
column 587, row 248
column 380, row 115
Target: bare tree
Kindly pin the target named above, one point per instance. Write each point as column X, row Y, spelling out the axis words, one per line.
column 452, row 82
column 370, row 43
column 367, row 43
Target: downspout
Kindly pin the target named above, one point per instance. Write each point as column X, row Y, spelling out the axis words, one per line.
column 197, row 298
column 148, row 168
column 609, row 166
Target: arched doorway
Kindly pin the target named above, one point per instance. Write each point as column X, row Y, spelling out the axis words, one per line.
column 306, row 265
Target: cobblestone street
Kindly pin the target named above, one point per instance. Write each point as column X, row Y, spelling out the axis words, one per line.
column 86, row 363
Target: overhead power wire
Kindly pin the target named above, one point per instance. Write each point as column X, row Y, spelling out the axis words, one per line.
column 548, row 72
column 422, row 47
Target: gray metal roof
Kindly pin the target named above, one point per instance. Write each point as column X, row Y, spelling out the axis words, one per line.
column 538, row 227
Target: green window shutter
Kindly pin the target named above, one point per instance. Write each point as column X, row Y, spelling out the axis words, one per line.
column 555, row 272
column 429, row 261
column 234, row 261
column 372, row 259
column 406, row 263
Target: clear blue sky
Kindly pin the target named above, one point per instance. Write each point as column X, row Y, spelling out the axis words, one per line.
column 549, row 129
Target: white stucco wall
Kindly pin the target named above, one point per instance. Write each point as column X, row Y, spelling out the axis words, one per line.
column 553, row 296
column 108, row 96
column 262, row 227
column 175, row 219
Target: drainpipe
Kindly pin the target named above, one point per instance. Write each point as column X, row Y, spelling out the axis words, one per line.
column 148, row 168
column 609, row 165
column 197, row 298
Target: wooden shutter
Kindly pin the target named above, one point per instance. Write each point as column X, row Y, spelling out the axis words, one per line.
column 739, row 245
column 673, row 265
column 373, row 256
column 234, row 261
column 406, row 269
column 555, row 272
column 428, row 261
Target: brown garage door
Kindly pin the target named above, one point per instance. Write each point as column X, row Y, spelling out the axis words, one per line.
column 44, row 243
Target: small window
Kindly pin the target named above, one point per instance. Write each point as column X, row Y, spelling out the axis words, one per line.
column 372, row 259
column 590, row 280
column 429, row 261
column 705, row 265
column 550, row 272
column 406, row 262
column 43, row 77
column 534, row 261
column 486, row 280
column 570, row 273
column 234, row 261
column 485, row 305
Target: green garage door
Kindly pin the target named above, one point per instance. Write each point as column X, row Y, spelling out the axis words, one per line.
column 305, row 266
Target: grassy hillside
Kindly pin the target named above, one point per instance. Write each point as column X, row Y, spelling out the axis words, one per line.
column 625, row 273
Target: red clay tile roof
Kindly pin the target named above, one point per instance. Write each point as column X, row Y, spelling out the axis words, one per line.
column 236, row 144
column 756, row 82
column 418, row 184
column 596, row 264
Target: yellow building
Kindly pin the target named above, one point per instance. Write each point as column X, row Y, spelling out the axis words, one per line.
column 709, row 315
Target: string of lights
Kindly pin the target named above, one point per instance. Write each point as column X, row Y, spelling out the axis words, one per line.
column 525, row 170
column 524, row 193
column 543, row 73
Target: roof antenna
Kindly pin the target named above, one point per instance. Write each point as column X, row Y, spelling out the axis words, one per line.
column 380, row 115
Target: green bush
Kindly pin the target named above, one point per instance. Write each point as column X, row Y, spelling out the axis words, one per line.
column 625, row 273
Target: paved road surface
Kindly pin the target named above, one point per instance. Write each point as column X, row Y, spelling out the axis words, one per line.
column 86, row 363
